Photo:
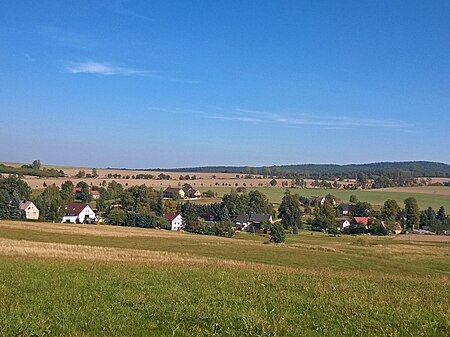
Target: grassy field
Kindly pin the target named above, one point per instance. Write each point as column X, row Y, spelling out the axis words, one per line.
column 78, row 280
column 426, row 196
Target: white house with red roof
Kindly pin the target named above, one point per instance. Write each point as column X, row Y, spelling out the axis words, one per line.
column 76, row 212
column 175, row 221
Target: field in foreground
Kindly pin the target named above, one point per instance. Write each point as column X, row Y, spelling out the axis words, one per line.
column 78, row 280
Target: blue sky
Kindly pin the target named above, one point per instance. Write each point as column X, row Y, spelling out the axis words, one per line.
column 187, row 83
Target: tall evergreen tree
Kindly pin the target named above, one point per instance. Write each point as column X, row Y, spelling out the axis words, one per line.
column 412, row 213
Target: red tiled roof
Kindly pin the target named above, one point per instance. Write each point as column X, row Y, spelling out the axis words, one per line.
column 170, row 216
column 94, row 192
column 76, row 189
column 361, row 219
column 74, row 207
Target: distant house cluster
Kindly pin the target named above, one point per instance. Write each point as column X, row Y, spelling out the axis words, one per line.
column 77, row 193
column 345, row 225
column 185, row 192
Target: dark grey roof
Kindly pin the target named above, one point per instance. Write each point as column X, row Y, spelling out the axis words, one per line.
column 254, row 217
column 172, row 190
column 344, row 207
column 242, row 218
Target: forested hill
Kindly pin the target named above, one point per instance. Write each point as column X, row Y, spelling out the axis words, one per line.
column 323, row 171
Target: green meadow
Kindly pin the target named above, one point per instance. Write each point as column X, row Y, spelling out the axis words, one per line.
column 427, row 196
column 80, row 280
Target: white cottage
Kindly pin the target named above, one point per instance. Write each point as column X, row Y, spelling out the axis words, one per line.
column 30, row 209
column 78, row 213
column 175, row 221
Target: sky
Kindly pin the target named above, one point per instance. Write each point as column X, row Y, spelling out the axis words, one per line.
column 164, row 84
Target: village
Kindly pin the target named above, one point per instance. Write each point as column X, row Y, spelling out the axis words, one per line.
column 169, row 209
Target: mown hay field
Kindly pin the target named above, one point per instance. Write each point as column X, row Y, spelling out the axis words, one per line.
column 80, row 280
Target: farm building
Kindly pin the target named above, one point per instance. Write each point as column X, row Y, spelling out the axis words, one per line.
column 171, row 192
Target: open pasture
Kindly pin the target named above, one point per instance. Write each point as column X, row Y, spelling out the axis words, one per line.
column 429, row 196
column 81, row 280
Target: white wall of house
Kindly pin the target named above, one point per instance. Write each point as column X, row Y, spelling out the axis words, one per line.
column 32, row 212
column 344, row 225
column 177, row 223
column 86, row 214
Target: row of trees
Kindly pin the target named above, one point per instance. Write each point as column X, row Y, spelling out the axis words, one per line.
column 33, row 169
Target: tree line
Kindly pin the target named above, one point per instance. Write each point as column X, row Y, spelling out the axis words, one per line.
column 34, row 169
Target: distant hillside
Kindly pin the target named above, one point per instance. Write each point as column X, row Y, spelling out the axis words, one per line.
column 323, row 171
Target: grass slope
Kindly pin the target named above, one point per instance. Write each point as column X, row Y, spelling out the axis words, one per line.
column 77, row 280
column 436, row 197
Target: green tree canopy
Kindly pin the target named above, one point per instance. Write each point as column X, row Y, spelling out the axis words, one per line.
column 412, row 213
column 390, row 211
column 67, row 191
column 14, row 184
column 50, row 203
column 277, row 234
column 289, row 212
column 140, row 199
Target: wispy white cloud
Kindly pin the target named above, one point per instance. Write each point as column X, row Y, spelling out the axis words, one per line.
column 301, row 119
column 291, row 120
column 102, row 68
column 123, row 7
column 108, row 69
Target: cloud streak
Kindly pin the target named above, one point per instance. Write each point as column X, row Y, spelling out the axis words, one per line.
column 101, row 68
column 299, row 120
column 109, row 69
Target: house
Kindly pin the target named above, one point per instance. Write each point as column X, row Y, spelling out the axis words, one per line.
column 360, row 220
column 345, row 209
column 190, row 192
column 395, row 229
column 194, row 193
column 252, row 222
column 30, row 209
column 175, row 221
column 242, row 221
column 77, row 192
column 171, row 192
column 317, row 201
column 95, row 194
column 344, row 225
column 75, row 212
column 320, row 201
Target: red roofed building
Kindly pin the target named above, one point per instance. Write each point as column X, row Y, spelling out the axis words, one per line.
column 76, row 212
column 95, row 194
column 360, row 220
column 175, row 221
